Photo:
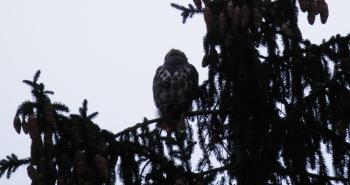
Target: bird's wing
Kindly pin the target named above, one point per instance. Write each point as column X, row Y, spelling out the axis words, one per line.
column 161, row 86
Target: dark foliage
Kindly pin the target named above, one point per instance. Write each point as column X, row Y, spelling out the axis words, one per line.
column 261, row 118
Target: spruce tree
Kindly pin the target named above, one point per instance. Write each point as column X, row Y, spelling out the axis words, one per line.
column 260, row 118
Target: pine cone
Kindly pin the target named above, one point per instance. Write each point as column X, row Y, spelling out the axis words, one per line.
column 228, row 40
column 324, row 12
column 319, row 4
column 35, row 152
column 222, row 23
column 210, row 58
column 17, row 124
column 32, row 172
column 245, row 16
column 48, row 137
column 102, row 166
column 313, row 8
column 80, row 163
column 304, row 5
column 25, row 127
column 208, row 17
column 311, row 18
column 236, row 17
column 49, row 116
column 257, row 18
column 229, row 9
column 206, row 60
column 33, row 127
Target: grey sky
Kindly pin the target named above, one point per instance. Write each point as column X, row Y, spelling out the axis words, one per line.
column 103, row 50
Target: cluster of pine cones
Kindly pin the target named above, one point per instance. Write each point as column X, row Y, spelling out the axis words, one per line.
column 243, row 16
column 43, row 159
column 313, row 8
column 40, row 166
column 235, row 16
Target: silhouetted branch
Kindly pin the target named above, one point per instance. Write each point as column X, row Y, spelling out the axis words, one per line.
column 186, row 12
column 214, row 170
column 148, row 153
column 148, row 122
column 330, row 178
column 283, row 171
column 329, row 133
column 11, row 163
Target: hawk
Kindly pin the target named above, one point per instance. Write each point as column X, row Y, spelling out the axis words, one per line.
column 174, row 87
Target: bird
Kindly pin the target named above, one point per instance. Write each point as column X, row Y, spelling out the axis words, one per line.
column 175, row 86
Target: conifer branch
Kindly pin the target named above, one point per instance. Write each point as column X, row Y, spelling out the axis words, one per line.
column 186, row 12
column 283, row 171
column 329, row 178
column 148, row 122
column 329, row 133
column 11, row 163
column 214, row 170
column 136, row 126
column 150, row 154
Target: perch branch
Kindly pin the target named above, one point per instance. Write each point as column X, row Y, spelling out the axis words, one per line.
column 148, row 122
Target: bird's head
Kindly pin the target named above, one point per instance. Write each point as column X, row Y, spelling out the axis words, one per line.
column 175, row 57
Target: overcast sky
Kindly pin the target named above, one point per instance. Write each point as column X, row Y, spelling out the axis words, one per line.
column 106, row 51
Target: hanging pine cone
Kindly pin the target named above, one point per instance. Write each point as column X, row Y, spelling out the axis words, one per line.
column 311, row 18
column 210, row 58
column 49, row 116
column 35, row 152
column 229, row 9
column 257, row 18
column 205, row 60
column 245, row 16
column 222, row 23
column 80, row 163
column 228, row 40
column 17, row 124
column 102, row 166
column 208, row 17
column 304, row 5
column 236, row 17
column 324, row 12
column 48, row 137
column 25, row 126
column 320, row 1
column 32, row 172
column 319, row 4
column 313, row 8
column 198, row 4
column 33, row 127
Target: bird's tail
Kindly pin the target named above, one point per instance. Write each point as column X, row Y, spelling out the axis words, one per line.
column 171, row 124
